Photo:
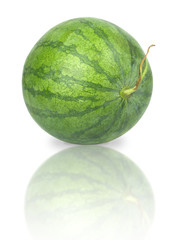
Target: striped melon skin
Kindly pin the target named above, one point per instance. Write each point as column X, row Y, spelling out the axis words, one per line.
column 73, row 77
column 89, row 192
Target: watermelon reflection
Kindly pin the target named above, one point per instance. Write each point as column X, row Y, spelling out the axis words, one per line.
column 89, row 192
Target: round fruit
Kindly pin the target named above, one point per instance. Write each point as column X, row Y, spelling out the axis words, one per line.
column 85, row 82
column 89, row 192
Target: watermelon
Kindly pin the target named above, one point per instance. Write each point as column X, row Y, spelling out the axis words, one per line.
column 89, row 192
column 87, row 81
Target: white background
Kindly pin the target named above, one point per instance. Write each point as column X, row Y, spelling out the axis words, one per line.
column 153, row 144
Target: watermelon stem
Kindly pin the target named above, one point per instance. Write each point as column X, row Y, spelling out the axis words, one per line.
column 129, row 91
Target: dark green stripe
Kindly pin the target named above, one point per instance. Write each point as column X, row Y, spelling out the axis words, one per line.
column 73, row 113
column 94, row 125
column 133, row 50
column 100, row 33
column 79, row 32
column 136, row 109
column 48, row 43
column 116, row 117
column 50, row 75
column 49, row 95
column 138, row 103
column 134, row 67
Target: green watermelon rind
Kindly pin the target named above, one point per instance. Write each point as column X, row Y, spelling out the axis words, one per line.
column 73, row 77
